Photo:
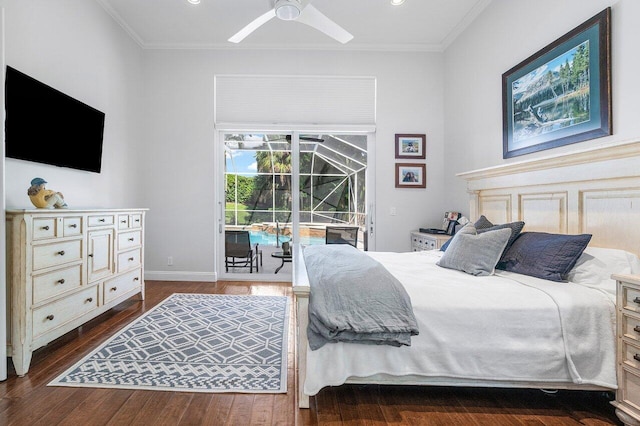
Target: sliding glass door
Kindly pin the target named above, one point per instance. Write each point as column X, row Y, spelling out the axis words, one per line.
column 284, row 188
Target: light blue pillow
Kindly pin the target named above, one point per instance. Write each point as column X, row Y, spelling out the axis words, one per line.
column 473, row 253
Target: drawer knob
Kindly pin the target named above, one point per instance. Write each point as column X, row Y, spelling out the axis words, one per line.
column 636, row 300
column 100, row 220
column 131, row 239
column 636, row 357
column 89, row 300
column 636, row 328
column 61, row 281
column 90, row 255
column 50, row 317
column 73, row 225
column 136, row 279
column 137, row 220
column 46, row 228
column 130, row 259
column 114, row 288
column 61, row 252
column 123, row 221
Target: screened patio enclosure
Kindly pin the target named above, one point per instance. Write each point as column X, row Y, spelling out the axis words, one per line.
column 258, row 185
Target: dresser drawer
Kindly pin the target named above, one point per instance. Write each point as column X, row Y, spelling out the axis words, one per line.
column 123, row 284
column 72, row 226
column 629, row 354
column 135, row 221
column 48, row 317
column 54, row 254
column 52, row 284
column 128, row 259
column 426, row 244
column 630, row 328
column 123, row 221
column 129, row 239
column 630, row 299
column 44, row 228
column 100, row 220
column 629, row 389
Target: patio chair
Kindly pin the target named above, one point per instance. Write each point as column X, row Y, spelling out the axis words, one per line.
column 342, row 235
column 238, row 251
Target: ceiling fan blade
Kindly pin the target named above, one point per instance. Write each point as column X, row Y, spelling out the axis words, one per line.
column 253, row 25
column 316, row 19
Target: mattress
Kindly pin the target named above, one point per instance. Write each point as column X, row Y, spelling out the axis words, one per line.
column 505, row 327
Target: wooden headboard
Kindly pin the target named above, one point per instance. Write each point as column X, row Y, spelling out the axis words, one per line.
column 595, row 191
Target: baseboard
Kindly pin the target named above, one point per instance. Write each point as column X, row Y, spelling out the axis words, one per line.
column 180, row 276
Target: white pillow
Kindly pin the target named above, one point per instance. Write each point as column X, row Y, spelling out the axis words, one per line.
column 595, row 266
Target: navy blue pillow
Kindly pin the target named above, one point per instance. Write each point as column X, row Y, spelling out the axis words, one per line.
column 544, row 255
column 445, row 245
column 483, row 223
column 516, row 228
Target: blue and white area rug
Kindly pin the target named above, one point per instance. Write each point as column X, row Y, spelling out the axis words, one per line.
column 194, row 343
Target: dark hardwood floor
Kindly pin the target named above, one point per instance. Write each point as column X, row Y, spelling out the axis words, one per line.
column 29, row 401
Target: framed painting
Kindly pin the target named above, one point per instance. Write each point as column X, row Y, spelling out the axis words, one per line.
column 411, row 146
column 410, row 175
column 561, row 94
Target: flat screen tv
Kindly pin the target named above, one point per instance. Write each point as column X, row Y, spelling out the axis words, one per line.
column 46, row 126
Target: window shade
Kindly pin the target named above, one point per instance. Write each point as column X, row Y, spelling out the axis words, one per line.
column 278, row 99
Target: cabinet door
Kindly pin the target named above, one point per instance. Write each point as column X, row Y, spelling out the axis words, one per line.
column 100, row 254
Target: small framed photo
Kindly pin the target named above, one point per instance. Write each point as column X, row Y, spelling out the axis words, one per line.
column 409, row 175
column 411, row 146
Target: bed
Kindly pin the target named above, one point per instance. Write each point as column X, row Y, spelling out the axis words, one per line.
column 506, row 329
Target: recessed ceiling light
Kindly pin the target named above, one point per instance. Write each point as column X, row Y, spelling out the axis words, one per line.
column 198, row 1
column 397, row 2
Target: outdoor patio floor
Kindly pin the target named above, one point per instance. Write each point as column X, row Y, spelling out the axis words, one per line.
column 269, row 264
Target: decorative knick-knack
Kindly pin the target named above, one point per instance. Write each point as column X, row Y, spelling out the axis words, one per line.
column 44, row 198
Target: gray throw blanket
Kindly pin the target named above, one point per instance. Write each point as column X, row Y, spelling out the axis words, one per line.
column 354, row 298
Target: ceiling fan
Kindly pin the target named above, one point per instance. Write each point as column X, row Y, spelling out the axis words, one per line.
column 300, row 11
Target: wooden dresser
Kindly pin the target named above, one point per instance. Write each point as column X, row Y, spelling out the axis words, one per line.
column 64, row 268
column 421, row 241
column 627, row 401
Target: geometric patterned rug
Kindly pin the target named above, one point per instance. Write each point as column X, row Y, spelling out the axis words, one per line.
column 194, row 343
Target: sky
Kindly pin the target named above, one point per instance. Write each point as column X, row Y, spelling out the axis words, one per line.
column 245, row 162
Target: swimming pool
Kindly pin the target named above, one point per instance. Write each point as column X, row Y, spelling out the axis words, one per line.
column 264, row 238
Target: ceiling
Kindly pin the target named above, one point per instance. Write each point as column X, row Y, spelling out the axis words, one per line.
column 417, row 25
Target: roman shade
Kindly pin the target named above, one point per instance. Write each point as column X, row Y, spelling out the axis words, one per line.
column 295, row 99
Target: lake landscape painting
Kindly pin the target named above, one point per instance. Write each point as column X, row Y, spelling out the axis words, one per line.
column 560, row 95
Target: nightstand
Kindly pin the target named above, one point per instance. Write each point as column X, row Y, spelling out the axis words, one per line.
column 421, row 241
column 627, row 401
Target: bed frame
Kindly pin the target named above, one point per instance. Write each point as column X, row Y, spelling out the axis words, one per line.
column 595, row 191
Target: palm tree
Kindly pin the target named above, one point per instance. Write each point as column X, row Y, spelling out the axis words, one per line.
column 278, row 165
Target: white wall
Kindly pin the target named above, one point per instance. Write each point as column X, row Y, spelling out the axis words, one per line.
column 158, row 146
column 506, row 33
column 77, row 48
column 179, row 178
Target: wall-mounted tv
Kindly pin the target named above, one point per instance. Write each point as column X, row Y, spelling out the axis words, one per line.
column 46, row 126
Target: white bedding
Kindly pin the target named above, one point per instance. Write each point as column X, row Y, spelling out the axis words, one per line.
column 505, row 327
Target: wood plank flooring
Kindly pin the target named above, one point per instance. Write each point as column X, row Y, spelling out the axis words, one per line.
column 28, row 401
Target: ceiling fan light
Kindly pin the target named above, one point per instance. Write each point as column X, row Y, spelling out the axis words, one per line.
column 396, row 2
column 287, row 10
column 194, row 1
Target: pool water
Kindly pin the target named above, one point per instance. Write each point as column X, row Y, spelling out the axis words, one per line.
column 266, row 239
